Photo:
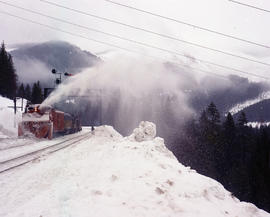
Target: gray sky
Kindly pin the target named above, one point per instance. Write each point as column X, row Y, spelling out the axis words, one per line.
column 219, row 15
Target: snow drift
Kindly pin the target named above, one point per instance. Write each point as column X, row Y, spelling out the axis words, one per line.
column 8, row 122
column 146, row 131
column 110, row 175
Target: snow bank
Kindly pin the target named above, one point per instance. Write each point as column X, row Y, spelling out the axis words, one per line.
column 107, row 132
column 7, row 126
column 112, row 176
column 145, row 132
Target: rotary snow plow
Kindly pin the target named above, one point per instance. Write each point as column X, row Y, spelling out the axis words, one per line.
column 46, row 122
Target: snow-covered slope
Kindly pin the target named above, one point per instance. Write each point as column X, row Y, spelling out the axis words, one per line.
column 112, row 176
column 240, row 106
column 258, row 124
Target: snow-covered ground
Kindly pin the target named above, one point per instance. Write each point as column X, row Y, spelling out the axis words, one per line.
column 27, row 145
column 114, row 176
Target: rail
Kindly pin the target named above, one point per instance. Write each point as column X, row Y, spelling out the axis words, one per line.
column 34, row 155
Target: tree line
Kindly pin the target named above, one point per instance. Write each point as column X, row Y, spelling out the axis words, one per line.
column 9, row 86
column 231, row 152
column 34, row 94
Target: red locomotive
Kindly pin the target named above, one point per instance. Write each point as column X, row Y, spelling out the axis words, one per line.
column 46, row 122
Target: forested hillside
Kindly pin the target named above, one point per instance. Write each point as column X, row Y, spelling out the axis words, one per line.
column 230, row 152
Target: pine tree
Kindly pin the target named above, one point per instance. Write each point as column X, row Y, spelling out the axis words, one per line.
column 229, row 126
column 213, row 114
column 37, row 96
column 12, row 78
column 229, row 133
column 214, row 140
column 21, row 91
column 27, row 92
column 3, row 70
column 8, row 77
column 242, row 119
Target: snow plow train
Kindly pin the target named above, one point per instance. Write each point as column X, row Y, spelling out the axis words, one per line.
column 47, row 122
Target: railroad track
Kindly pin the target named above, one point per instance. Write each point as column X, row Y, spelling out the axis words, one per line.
column 16, row 146
column 21, row 160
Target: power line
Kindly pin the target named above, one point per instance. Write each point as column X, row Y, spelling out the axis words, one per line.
column 109, row 44
column 184, row 23
column 185, row 56
column 251, row 6
column 127, row 39
column 128, row 50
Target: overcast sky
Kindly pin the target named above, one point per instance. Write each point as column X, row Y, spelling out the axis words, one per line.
column 219, row 15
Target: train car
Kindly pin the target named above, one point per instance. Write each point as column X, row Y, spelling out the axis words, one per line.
column 47, row 122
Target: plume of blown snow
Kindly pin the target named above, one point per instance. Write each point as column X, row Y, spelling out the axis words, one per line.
column 138, row 90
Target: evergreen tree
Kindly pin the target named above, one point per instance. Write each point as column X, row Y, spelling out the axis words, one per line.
column 261, row 170
column 207, row 142
column 8, row 77
column 236, row 155
column 12, row 77
column 242, row 119
column 37, row 96
column 21, row 91
column 229, row 133
column 213, row 114
column 27, row 92
column 229, row 123
column 3, row 70
column 213, row 124
column 229, row 128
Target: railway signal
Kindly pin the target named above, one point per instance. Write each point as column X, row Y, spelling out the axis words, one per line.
column 47, row 91
column 59, row 80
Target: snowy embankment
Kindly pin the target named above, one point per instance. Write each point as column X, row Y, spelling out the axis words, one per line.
column 9, row 124
column 8, row 121
column 113, row 176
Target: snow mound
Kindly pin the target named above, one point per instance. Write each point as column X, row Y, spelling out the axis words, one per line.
column 107, row 132
column 109, row 176
column 145, row 132
column 9, row 122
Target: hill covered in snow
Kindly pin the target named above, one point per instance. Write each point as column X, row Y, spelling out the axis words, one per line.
column 109, row 175
column 35, row 61
column 258, row 112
